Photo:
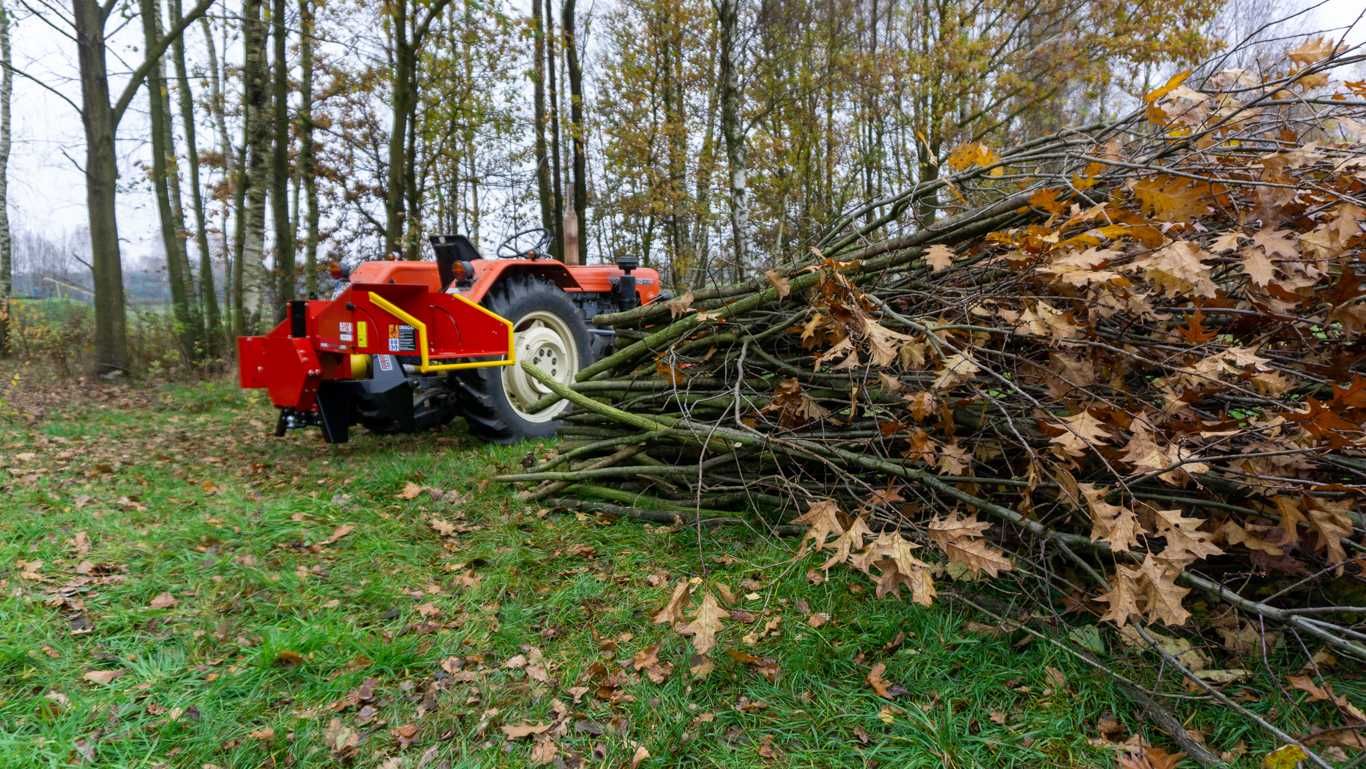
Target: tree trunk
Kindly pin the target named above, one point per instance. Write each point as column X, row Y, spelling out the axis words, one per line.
column 412, row 218
column 250, row 280
column 279, row 164
column 6, row 241
column 702, row 182
column 572, row 254
column 208, row 300
column 218, row 112
column 410, row 28
column 307, row 159
column 676, row 145
column 163, row 160
column 101, row 178
column 538, row 74
column 471, row 148
column 403, row 65
column 557, row 190
column 732, row 132
column 576, row 125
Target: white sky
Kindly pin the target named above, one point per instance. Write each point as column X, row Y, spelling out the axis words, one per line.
column 47, row 188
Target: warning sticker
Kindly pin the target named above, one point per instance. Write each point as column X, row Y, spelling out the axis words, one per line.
column 362, row 334
column 402, row 338
column 344, row 330
column 386, row 362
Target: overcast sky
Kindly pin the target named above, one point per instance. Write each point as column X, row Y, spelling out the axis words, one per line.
column 47, row 189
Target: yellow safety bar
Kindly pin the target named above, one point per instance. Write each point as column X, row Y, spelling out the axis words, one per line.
column 426, row 366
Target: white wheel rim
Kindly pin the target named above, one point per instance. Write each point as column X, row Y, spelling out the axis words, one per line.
column 546, row 341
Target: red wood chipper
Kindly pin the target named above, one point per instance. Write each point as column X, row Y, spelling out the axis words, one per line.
column 405, row 346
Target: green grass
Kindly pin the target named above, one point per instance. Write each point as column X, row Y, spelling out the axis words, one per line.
column 183, row 491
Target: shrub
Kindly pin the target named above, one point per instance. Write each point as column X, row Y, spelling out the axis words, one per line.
column 61, row 333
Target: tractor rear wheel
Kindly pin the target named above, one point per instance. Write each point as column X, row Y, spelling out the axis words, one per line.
column 550, row 332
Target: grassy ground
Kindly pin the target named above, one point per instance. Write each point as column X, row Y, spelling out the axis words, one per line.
column 179, row 588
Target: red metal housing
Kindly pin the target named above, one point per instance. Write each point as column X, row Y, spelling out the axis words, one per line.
column 317, row 342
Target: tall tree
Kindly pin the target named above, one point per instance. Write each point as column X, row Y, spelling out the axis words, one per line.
column 544, row 193
column 100, row 118
column 212, row 332
column 557, row 176
column 253, row 171
column 409, row 25
column 678, row 119
column 228, row 159
column 307, row 153
column 732, row 131
column 704, row 179
column 279, row 162
column 166, row 186
column 6, row 241
column 470, row 127
column 576, row 124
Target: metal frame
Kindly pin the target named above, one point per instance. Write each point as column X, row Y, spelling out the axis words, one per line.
column 426, row 366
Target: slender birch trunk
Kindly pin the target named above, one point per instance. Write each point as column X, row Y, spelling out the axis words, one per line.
column 279, row 163
column 6, row 241
column 250, row 279
column 212, row 331
column 307, row 153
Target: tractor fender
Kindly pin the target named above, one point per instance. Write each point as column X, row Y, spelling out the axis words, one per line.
column 487, row 273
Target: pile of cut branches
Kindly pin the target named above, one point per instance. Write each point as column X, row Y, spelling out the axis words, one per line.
column 1125, row 365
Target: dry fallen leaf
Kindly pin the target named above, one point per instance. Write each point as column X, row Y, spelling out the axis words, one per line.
column 441, row 526
column 544, row 751
column 680, row 305
column 962, row 540
column 672, row 613
column 163, row 601
column 764, row 666
column 780, row 283
column 647, row 660
column 341, row 740
column 880, row 684
column 939, row 257
column 337, row 534
column 705, row 625
column 288, row 658
column 1150, row 757
column 1325, row 693
column 102, row 677
column 518, row 731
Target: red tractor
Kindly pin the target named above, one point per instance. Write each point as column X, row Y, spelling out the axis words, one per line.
column 406, row 346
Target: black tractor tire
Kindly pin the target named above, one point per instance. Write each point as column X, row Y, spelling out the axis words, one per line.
column 483, row 394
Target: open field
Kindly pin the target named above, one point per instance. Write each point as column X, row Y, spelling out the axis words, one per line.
column 182, row 589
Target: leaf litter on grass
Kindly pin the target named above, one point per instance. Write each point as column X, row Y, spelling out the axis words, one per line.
column 624, row 694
